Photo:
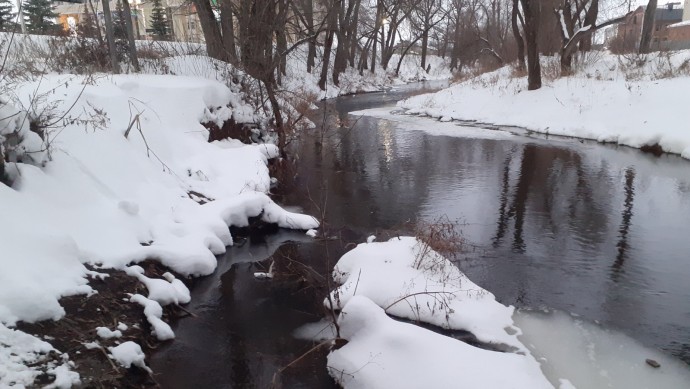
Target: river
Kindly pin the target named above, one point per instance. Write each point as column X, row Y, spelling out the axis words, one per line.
column 597, row 231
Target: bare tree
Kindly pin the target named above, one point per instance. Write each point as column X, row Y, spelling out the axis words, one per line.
column 530, row 8
column 110, row 36
column 133, row 58
column 578, row 19
column 426, row 15
column 514, row 16
column 209, row 26
column 647, row 27
column 227, row 26
column 332, row 27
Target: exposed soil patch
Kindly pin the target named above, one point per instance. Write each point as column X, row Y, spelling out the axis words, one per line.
column 654, row 149
column 107, row 308
column 230, row 129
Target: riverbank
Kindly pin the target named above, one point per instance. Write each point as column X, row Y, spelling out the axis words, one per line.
column 106, row 171
column 630, row 100
column 120, row 172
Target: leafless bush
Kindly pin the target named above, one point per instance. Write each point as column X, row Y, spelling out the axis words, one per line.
column 440, row 236
column 664, row 66
column 621, row 45
column 632, row 65
column 585, row 59
column 551, row 69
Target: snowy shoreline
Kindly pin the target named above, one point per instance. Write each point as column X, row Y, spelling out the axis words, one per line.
column 607, row 100
column 117, row 184
column 405, row 278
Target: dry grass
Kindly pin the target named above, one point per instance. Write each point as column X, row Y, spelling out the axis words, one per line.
column 440, row 236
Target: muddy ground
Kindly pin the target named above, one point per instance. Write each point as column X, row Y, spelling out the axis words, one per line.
column 106, row 308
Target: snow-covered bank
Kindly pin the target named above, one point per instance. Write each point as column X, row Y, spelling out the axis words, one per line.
column 384, row 353
column 416, row 123
column 629, row 101
column 122, row 172
column 404, row 277
column 351, row 82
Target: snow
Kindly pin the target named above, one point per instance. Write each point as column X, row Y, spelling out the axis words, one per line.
column 23, row 357
column 122, row 326
column 98, row 197
column 679, row 24
column 92, row 345
column 107, row 333
column 564, row 29
column 297, row 79
column 182, row 292
column 153, row 312
column 586, row 355
column 64, row 377
column 384, row 353
column 410, row 280
column 128, row 354
column 406, row 279
column 165, row 292
column 609, row 99
column 312, row 233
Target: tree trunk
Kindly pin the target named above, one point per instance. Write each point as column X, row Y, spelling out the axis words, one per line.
column 455, row 52
column 344, row 35
column 567, row 30
column 311, row 51
column 209, row 26
column 377, row 24
column 425, row 44
column 518, row 37
column 647, row 27
column 402, row 56
column 134, row 59
column 530, row 8
column 94, row 16
column 340, row 61
column 590, row 20
column 328, row 45
column 227, row 25
column 353, row 33
column 110, row 36
column 3, row 176
column 278, row 115
column 281, row 39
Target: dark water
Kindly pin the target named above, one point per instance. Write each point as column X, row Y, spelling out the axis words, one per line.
column 600, row 231
column 597, row 230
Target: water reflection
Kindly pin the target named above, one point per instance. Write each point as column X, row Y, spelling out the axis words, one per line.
column 596, row 230
column 550, row 224
column 625, row 222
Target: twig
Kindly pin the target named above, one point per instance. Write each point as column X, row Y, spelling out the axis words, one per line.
column 311, row 350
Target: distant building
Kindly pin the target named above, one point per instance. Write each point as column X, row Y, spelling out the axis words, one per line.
column 630, row 31
column 182, row 15
column 678, row 36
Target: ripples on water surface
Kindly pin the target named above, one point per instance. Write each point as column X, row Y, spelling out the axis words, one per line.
column 599, row 231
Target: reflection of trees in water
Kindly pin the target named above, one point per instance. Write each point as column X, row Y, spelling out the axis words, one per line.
column 626, row 218
column 562, row 193
column 374, row 172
